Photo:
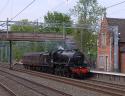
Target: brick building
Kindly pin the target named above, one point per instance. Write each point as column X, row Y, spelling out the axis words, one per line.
column 111, row 45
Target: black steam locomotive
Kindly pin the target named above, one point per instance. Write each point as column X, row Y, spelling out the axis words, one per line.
column 68, row 63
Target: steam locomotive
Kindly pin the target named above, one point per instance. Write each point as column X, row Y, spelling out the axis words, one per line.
column 68, row 63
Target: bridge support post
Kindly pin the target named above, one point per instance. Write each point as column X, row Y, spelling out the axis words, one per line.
column 10, row 59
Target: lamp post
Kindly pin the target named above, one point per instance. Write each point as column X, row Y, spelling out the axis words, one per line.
column 116, row 48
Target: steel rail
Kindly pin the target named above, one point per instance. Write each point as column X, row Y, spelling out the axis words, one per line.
column 78, row 83
column 39, row 85
column 7, row 89
column 112, row 90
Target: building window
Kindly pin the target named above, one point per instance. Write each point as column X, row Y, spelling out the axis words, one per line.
column 103, row 41
column 101, row 61
column 104, row 63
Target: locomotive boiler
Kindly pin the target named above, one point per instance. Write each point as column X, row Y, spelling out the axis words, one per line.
column 68, row 63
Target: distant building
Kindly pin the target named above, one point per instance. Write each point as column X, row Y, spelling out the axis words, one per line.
column 111, row 45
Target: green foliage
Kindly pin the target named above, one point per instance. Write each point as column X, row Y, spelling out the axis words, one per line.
column 22, row 26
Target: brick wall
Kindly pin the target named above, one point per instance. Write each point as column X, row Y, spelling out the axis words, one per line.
column 104, row 51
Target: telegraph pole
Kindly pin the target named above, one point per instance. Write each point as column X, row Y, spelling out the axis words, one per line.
column 7, row 26
column 64, row 35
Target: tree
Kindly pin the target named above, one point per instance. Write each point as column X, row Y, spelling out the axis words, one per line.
column 88, row 13
column 57, row 22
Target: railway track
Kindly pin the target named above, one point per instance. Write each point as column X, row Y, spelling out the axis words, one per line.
column 35, row 88
column 93, row 85
column 106, row 88
column 5, row 91
column 121, row 87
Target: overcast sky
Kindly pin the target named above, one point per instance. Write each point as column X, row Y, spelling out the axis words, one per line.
column 9, row 8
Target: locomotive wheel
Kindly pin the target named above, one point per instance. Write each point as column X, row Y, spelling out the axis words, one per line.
column 41, row 69
column 64, row 72
column 38, row 68
column 24, row 66
column 72, row 75
column 56, row 71
column 67, row 74
column 28, row 67
column 60, row 73
column 51, row 70
column 33, row 67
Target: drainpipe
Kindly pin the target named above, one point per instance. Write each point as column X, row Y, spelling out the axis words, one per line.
column 110, row 63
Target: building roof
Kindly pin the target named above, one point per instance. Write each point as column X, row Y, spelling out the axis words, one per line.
column 121, row 26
